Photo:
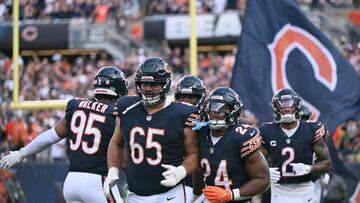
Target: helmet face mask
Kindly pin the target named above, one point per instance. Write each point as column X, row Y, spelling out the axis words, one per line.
column 189, row 98
column 152, row 96
column 223, row 108
column 286, row 104
column 218, row 112
column 151, row 72
column 111, row 81
column 190, row 89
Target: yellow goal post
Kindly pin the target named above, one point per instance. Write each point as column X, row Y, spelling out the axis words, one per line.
column 16, row 104
column 60, row 104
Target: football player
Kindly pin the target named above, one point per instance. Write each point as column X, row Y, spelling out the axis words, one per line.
column 233, row 167
column 161, row 146
column 89, row 125
column 190, row 90
column 290, row 144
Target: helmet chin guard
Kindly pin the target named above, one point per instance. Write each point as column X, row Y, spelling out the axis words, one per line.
column 218, row 124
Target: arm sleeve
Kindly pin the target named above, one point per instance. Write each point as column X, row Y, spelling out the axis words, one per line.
column 41, row 142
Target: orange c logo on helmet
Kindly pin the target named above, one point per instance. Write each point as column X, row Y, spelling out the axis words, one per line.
column 322, row 62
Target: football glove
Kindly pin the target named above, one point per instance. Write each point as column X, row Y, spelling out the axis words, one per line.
column 217, row 194
column 300, row 169
column 11, row 159
column 172, row 175
column 111, row 180
column 274, row 174
column 325, row 179
column 199, row 124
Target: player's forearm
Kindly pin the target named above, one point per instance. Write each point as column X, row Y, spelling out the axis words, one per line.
column 115, row 155
column 198, row 182
column 254, row 187
column 191, row 163
column 321, row 167
column 41, row 142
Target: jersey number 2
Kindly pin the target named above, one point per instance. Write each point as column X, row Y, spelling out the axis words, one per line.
column 83, row 125
column 291, row 152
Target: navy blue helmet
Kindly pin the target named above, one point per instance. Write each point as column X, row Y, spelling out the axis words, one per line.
column 286, row 105
column 191, row 85
column 110, row 80
column 219, row 98
column 157, row 71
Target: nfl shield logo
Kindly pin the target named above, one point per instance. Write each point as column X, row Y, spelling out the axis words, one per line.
column 211, row 150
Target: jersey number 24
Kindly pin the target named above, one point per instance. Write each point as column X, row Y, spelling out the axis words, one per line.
column 222, row 176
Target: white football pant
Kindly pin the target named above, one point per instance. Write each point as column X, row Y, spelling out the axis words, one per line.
column 292, row 193
column 175, row 195
column 87, row 187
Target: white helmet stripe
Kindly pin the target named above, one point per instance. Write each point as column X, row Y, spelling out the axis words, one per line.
column 104, row 91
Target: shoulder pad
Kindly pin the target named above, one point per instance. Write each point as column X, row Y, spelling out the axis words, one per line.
column 246, row 129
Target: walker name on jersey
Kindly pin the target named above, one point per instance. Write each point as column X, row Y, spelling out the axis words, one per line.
column 95, row 106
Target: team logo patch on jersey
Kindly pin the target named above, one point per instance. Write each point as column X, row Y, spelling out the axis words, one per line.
column 148, row 117
column 211, row 150
column 273, row 143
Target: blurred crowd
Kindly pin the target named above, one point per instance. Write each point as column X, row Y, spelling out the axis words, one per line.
column 352, row 52
column 100, row 10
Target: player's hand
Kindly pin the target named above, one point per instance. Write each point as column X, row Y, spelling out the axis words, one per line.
column 300, row 169
column 217, row 194
column 172, row 175
column 11, row 159
column 274, row 174
column 325, row 179
column 199, row 124
column 111, row 180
